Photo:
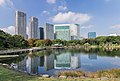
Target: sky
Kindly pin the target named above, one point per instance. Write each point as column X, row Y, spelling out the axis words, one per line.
column 100, row 16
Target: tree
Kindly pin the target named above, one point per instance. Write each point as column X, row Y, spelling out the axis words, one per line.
column 47, row 42
column 39, row 43
column 57, row 41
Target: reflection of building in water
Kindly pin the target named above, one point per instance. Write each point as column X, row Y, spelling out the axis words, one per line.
column 32, row 64
column 66, row 61
column 29, row 64
column 49, row 62
column 36, row 64
column 92, row 56
column 22, row 64
column 75, row 61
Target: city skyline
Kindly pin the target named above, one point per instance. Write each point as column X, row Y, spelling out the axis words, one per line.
column 92, row 15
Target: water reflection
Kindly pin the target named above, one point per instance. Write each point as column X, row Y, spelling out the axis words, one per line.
column 38, row 65
column 92, row 57
column 67, row 61
column 52, row 61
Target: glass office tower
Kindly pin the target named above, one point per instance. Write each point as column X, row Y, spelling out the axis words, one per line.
column 67, row 31
column 92, row 35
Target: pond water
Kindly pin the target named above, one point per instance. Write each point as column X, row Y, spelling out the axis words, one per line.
column 52, row 61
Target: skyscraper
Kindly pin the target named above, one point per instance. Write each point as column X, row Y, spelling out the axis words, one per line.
column 62, row 32
column 20, row 28
column 41, row 33
column 48, row 31
column 33, row 27
column 92, row 35
column 67, row 31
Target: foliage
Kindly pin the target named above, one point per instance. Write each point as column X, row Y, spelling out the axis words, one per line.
column 71, row 73
column 47, row 42
column 114, row 73
column 16, row 41
column 32, row 42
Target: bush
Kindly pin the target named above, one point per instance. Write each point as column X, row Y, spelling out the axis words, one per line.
column 71, row 73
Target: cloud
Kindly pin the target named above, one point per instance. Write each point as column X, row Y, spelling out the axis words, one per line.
column 71, row 17
column 10, row 30
column 87, row 26
column 45, row 12
column 62, row 8
column 116, row 26
column 51, row 1
column 7, row 4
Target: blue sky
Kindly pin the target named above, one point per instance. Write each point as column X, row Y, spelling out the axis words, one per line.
column 101, row 16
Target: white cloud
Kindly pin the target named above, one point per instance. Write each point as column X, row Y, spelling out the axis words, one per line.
column 62, row 8
column 7, row 4
column 71, row 17
column 10, row 30
column 2, row 2
column 45, row 12
column 51, row 1
column 87, row 26
column 116, row 26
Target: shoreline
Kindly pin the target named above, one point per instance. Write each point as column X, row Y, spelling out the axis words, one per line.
column 7, row 74
column 71, row 74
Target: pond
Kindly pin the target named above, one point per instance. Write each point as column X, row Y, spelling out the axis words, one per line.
column 54, row 60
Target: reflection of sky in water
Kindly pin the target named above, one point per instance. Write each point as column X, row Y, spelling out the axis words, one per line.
column 53, row 63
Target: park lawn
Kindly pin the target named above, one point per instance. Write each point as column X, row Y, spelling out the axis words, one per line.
column 10, row 75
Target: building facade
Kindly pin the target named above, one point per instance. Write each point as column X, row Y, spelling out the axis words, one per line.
column 41, row 32
column 67, row 31
column 33, row 27
column 92, row 35
column 49, row 31
column 20, row 28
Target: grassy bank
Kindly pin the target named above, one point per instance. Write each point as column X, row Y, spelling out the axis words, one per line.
column 10, row 75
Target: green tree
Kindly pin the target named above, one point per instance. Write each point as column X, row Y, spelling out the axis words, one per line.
column 47, row 42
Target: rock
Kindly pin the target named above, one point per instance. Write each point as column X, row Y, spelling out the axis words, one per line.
column 5, row 65
column 82, row 77
column 45, row 76
column 103, row 78
column 62, row 76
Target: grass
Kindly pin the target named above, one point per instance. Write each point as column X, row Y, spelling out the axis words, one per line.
column 114, row 73
column 10, row 75
column 71, row 73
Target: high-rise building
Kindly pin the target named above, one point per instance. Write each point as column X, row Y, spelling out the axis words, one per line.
column 41, row 32
column 20, row 28
column 48, row 31
column 67, row 31
column 62, row 32
column 92, row 35
column 33, row 27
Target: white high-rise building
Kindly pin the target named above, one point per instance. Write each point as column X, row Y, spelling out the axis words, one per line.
column 20, row 28
column 48, row 31
column 67, row 31
column 33, row 27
